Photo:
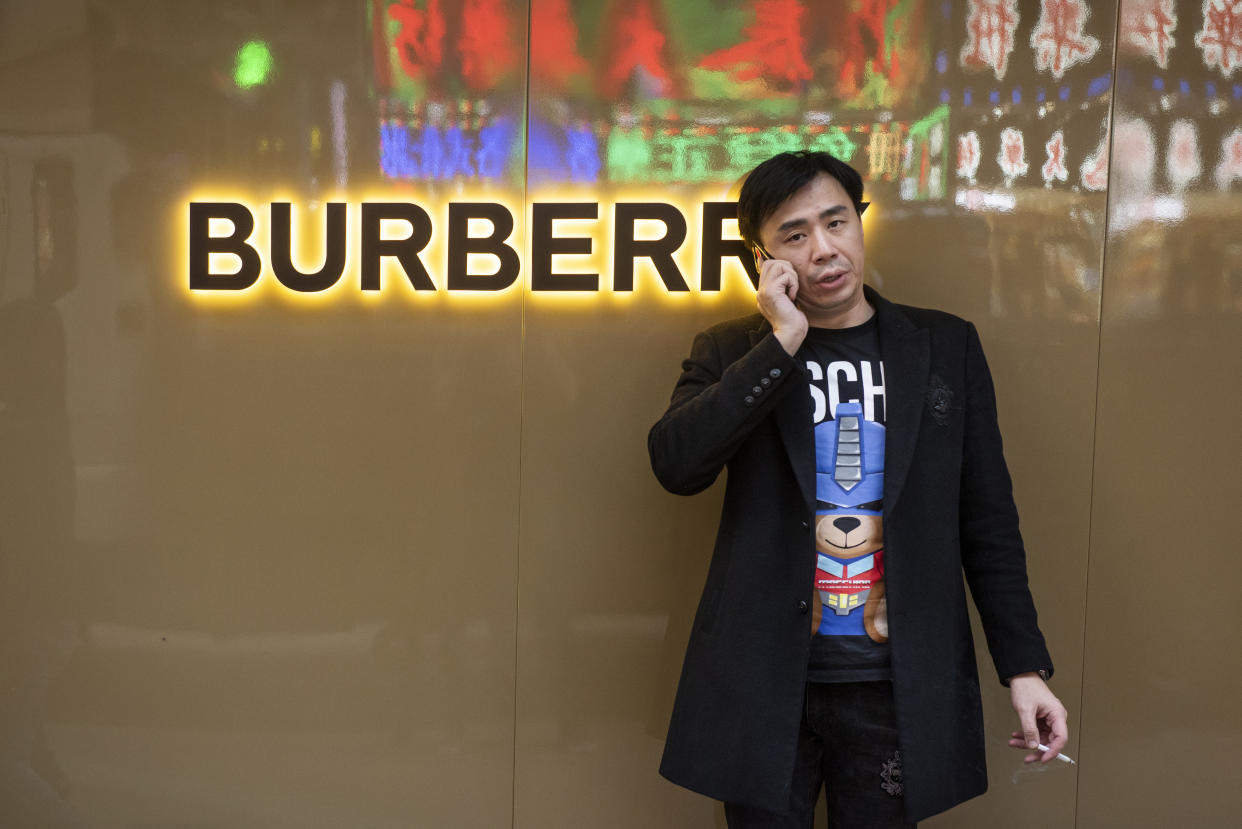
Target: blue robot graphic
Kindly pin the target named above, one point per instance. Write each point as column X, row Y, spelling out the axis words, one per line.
column 849, row 527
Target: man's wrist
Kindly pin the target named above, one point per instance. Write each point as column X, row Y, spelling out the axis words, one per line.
column 790, row 338
column 1042, row 673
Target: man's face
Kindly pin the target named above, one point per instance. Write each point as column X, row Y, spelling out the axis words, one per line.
column 818, row 231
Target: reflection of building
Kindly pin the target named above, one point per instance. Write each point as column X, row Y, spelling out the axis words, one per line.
column 734, row 91
column 1028, row 98
column 426, row 144
column 268, row 106
column 1160, row 232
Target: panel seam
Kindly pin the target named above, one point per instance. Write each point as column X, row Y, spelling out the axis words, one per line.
column 517, row 557
column 1095, row 413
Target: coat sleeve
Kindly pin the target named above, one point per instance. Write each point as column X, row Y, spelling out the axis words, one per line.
column 993, row 555
column 715, row 405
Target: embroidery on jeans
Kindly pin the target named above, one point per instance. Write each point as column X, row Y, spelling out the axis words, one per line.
column 890, row 775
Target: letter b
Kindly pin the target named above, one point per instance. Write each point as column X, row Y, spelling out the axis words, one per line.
column 203, row 244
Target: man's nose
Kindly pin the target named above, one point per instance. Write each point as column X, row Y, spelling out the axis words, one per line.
column 823, row 246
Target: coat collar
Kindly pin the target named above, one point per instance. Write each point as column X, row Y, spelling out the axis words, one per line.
column 761, row 330
column 905, row 349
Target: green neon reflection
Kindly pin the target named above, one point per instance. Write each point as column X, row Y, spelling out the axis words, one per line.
column 254, row 64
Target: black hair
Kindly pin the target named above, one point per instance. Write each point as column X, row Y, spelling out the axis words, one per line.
column 769, row 185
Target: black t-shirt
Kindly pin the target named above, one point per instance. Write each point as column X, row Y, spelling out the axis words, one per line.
column 850, row 623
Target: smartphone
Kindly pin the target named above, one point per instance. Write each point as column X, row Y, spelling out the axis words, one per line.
column 761, row 255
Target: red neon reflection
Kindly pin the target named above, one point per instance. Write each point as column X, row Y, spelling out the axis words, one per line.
column 487, row 43
column 554, row 56
column 774, row 46
column 1058, row 38
column 420, row 44
column 638, row 52
column 869, row 20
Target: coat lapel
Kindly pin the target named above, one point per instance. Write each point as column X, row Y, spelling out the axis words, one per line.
column 793, row 422
column 906, row 352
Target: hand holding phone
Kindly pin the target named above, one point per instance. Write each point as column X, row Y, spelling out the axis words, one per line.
column 777, row 299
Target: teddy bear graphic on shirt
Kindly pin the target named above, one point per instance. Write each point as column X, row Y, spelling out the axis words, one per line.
column 849, row 526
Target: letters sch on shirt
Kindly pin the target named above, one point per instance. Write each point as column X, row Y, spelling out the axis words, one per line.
column 842, row 381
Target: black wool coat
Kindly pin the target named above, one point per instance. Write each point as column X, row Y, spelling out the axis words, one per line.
column 743, row 404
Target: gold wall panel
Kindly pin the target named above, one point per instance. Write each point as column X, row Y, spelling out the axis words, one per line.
column 1159, row 719
column 259, row 549
column 611, row 567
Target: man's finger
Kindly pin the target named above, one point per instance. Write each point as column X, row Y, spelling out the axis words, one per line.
column 1059, row 729
column 1029, row 732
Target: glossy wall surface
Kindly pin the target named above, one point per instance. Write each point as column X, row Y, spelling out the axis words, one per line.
column 1169, row 395
column 282, row 557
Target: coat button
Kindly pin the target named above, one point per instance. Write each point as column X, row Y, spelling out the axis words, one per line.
column 776, row 372
column 802, row 606
column 765, row 382
column 806, row 525
column 757, row 390
column 748, row 400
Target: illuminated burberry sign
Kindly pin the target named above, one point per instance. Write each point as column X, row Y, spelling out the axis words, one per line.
column 373, row 247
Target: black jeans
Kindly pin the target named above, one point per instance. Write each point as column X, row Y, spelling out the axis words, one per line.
column 848, row 746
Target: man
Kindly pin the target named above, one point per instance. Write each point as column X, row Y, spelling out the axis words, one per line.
column 832, row 647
